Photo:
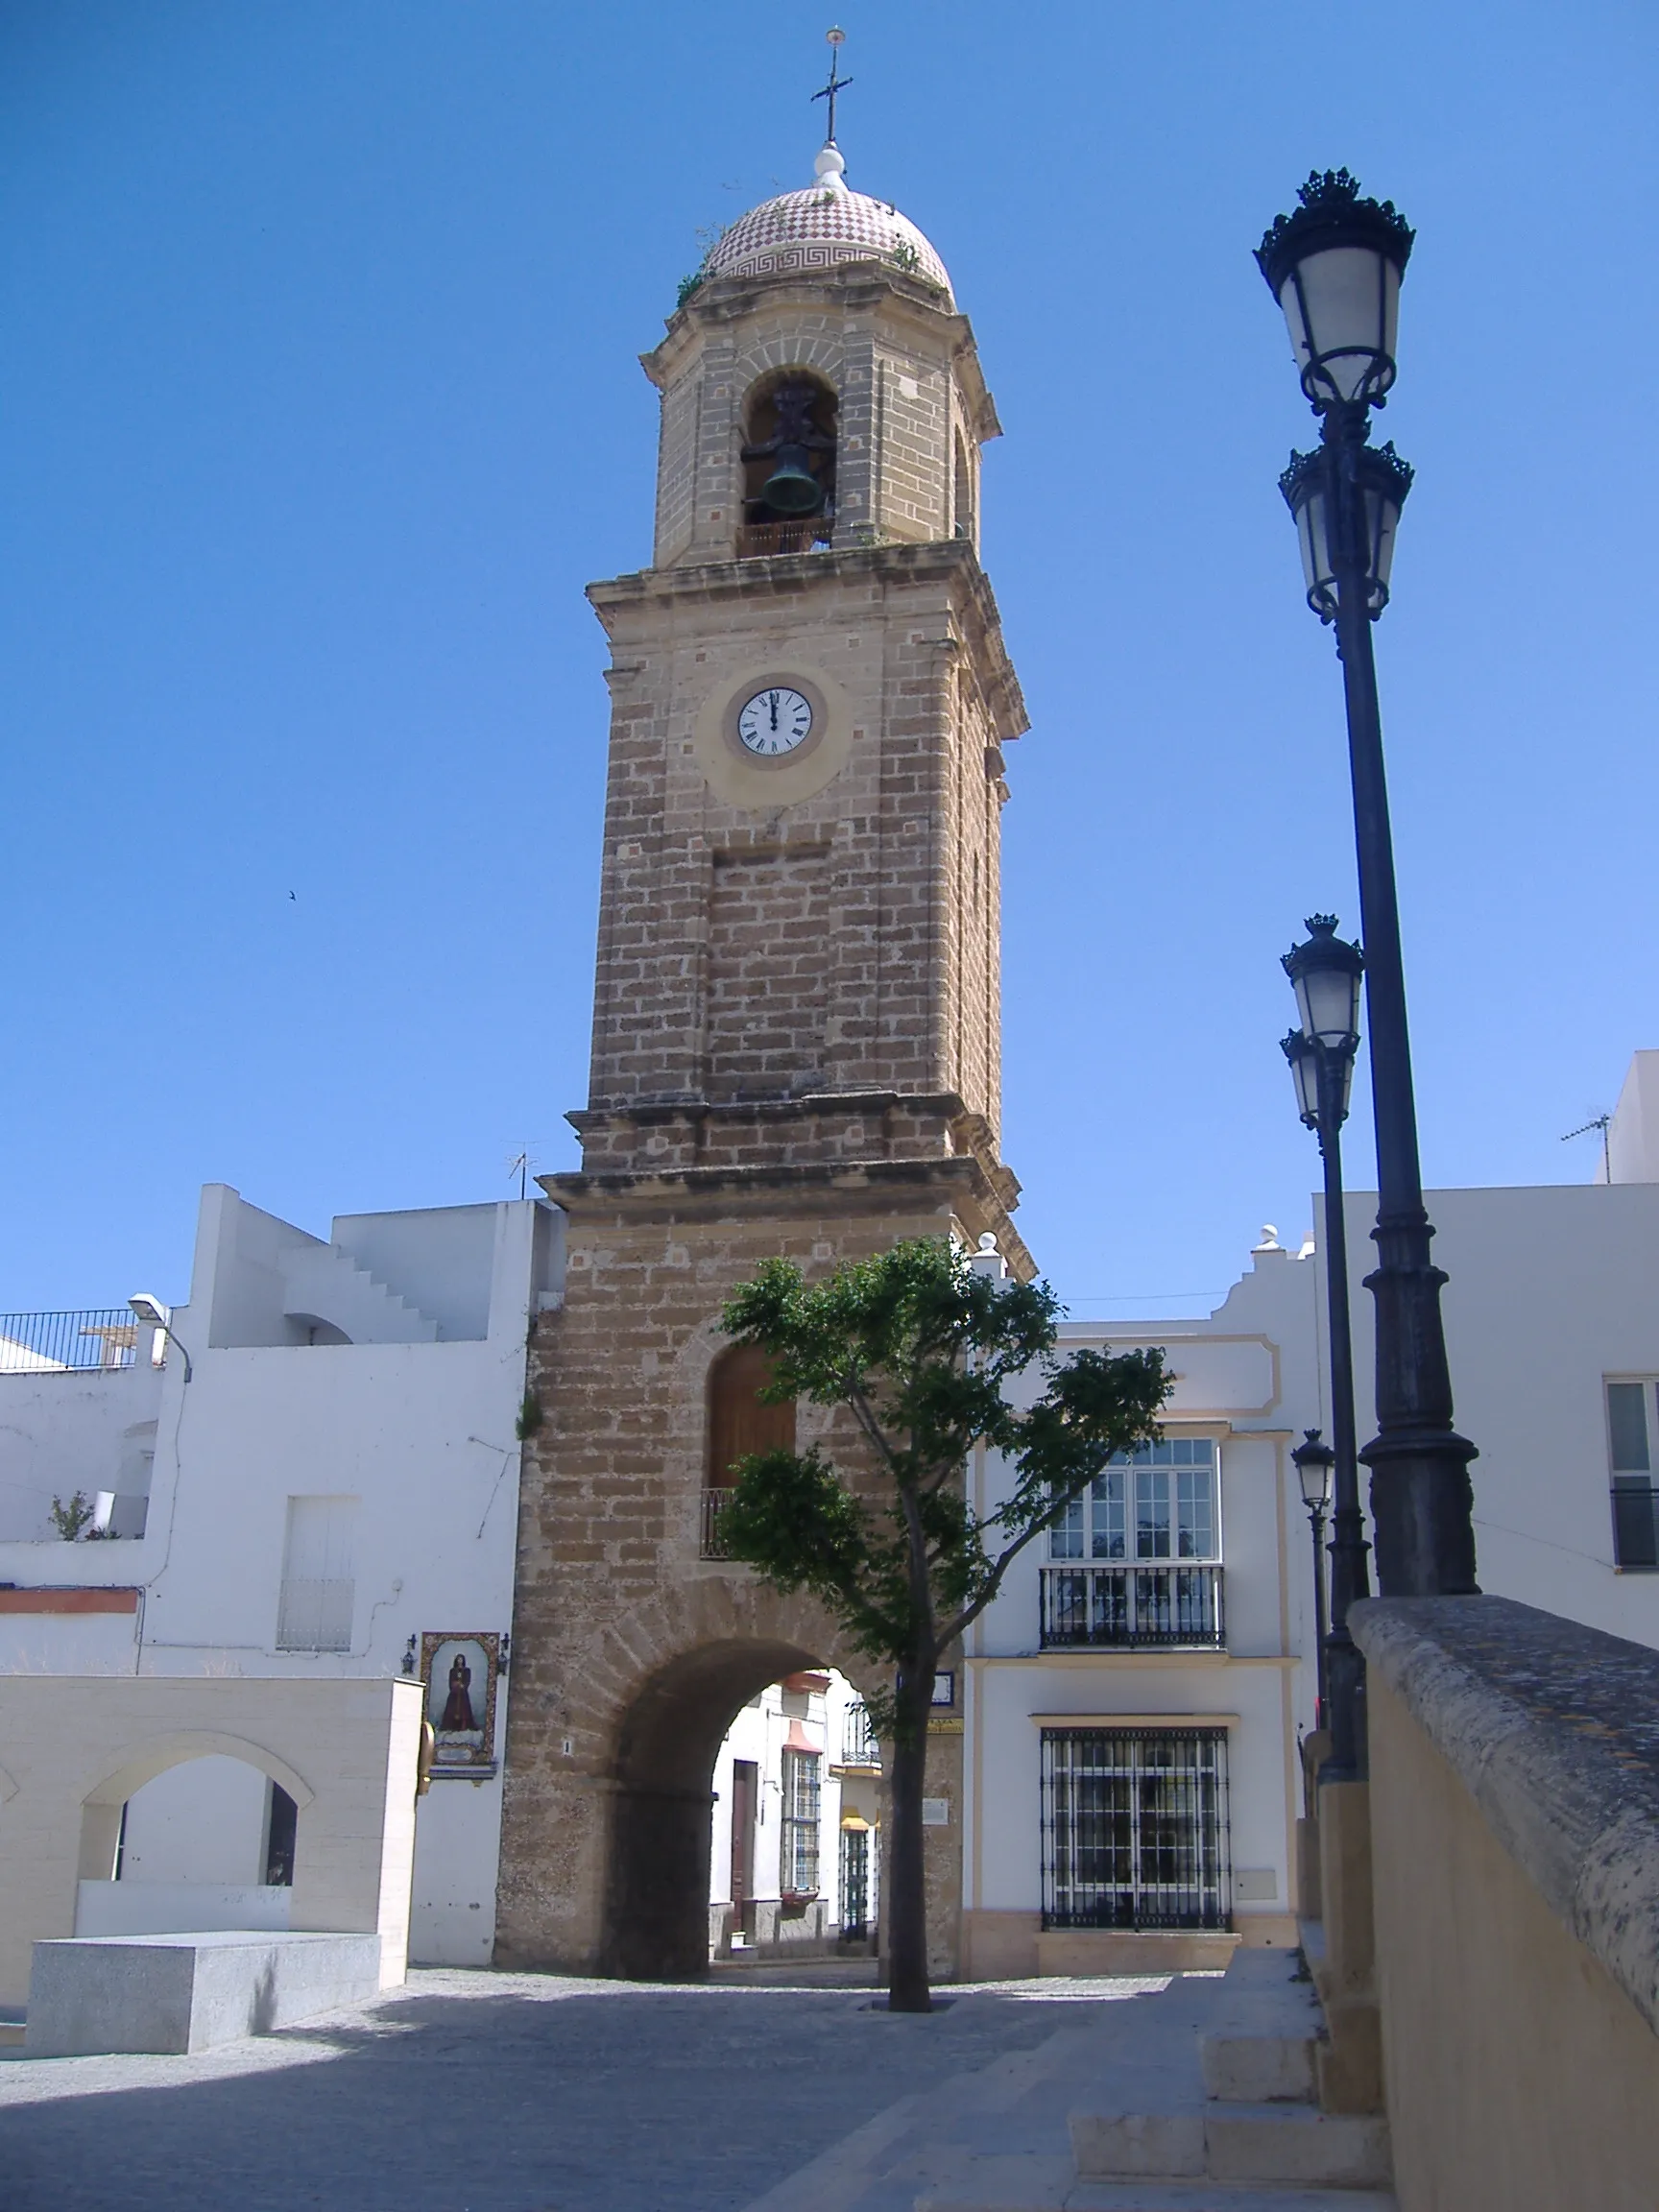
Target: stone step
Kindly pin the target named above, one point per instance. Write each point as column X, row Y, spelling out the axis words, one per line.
column 1260, row 2069
column 1264, row 2143
column 1162, row 2197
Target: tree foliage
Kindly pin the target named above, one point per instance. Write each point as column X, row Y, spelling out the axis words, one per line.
column 923, row 1350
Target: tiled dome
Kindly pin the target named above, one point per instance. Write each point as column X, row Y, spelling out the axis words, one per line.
column 820, row 228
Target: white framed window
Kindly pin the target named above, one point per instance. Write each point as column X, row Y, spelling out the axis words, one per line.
column 1160, row 1501
column 798, row 1851
column 318, row 1589
column 1632, row 1427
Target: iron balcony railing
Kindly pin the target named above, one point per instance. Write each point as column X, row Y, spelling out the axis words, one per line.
column 1635, row 1522
column 1167, row 1605
column 715, row 1505
column 756, row 540
column 90, row 1336
column 859, row 1745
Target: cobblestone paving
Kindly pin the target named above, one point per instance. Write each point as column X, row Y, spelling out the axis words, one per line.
column 502, row 2093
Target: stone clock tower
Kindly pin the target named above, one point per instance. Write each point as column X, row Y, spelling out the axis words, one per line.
column 796, row 1027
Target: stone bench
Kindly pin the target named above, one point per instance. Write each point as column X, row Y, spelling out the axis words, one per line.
column 187, row 1992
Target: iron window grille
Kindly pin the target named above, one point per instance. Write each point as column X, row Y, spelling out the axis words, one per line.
column 1134, row 1828
column 857, row 1890
column 798, row 1860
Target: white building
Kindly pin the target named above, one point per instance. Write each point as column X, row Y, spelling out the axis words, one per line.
column 320, row 1478
column 1136, row 1692
column 793, row 1866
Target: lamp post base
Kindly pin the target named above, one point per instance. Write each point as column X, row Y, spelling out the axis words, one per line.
column 1422, row 1508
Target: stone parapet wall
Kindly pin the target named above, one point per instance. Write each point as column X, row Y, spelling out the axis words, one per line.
column 1515, row 1832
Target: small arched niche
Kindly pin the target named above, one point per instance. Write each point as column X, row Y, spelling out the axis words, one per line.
column 740, row 1422
column 789, row 422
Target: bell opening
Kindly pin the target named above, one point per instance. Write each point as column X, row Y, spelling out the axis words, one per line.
column 789, row 425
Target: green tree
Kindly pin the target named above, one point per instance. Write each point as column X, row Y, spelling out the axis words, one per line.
column 921, row 1347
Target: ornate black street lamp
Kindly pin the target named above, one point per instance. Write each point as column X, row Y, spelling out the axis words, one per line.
column 1335, row 268
column 1325, row 972
column 1314, row 1460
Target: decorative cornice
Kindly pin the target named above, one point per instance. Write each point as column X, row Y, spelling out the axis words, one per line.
column 951, row 561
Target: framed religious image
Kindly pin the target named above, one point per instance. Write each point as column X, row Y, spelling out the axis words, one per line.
column 459, row 1674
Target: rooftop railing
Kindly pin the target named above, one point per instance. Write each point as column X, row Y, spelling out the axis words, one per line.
column 71, row 1343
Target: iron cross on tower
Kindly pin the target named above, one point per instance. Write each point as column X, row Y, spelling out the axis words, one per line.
column 837, row 39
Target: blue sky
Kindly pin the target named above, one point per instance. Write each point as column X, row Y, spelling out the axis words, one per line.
column 319, row 405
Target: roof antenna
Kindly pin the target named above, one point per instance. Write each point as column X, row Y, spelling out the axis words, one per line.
column 1601, row 1122
column 837, row 38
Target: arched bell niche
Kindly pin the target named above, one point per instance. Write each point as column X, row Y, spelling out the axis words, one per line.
column 789, row 434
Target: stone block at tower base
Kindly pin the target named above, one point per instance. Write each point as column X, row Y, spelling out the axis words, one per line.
column 187, row 1992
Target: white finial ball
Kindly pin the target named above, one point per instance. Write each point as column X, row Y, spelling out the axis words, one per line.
column 988, row 1243
column 829, row 168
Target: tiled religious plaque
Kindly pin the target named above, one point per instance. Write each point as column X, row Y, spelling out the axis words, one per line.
column 460, row 1675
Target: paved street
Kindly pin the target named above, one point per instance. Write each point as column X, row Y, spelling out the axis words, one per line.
column 504, row 2093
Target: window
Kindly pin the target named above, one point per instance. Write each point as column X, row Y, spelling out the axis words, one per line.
column 318, row 1590
column 738, row 1425
column 1134, row 1828
column 798, row 1862
column 1157, row 1502
column 1631, row 1410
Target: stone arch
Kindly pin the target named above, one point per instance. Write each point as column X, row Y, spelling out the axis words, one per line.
column 664, row 1686
column 101, row 1807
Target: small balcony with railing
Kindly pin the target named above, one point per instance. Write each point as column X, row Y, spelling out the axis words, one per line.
column 860, row 1746
column 809, row 534
column 713, row 1545
column 1635, row 1524
column 1167, row 1605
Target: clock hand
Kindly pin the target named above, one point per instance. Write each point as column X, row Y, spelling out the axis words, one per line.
column 772, row 701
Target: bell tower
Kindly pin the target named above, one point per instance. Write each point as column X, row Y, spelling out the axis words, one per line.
column 795, row 1026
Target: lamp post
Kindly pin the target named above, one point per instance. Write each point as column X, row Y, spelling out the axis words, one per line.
column 1335, row 268
column 1314, row 1460
column 1325, row 972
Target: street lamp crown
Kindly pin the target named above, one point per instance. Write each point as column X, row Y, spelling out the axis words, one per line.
column 1313, row 1460
column 1325, row 971
column 1335, row 268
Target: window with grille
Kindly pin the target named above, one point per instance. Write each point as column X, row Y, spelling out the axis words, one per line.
column 798, row 1862
column 1160, row 1501
column 1631, row 1408
column 319, row 1591
column 1134, row 1828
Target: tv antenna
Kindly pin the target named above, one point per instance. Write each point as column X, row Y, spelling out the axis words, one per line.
column 519, row 1165
column 1601, row 1122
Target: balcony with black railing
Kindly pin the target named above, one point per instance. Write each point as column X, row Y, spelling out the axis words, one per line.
column 1635, row 1522
column 713, row 1544
column 1165, row 1605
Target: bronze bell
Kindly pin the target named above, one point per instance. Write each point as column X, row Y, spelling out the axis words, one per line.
column 792, row 489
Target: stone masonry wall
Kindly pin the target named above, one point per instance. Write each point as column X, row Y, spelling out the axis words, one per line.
column 883, row 883
column 611, row 1591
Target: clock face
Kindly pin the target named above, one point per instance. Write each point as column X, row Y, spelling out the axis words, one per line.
column 774, row 721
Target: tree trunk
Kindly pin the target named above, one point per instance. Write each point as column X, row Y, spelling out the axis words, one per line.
column 908, row 1986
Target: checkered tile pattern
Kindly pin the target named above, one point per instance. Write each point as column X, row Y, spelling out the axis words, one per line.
column 819, row 229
